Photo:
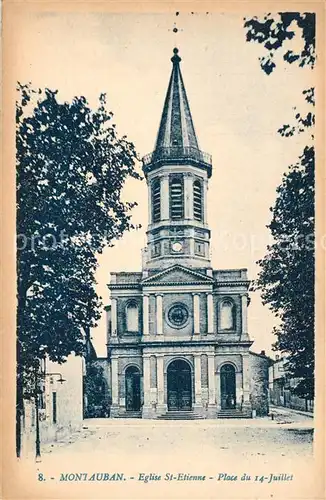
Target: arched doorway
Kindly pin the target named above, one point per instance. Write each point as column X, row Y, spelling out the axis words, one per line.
column 179, row 385
column 132, row 381
column 228, row 389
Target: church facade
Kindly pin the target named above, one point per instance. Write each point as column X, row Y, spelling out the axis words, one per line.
column 178, row 340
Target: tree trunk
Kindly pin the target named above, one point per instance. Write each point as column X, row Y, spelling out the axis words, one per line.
column 37, row 423
column 22, row 287
column 19, row 400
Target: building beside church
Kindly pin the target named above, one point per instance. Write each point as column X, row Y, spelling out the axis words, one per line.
column 281, row 387
column 59, row 404
column 178, row 338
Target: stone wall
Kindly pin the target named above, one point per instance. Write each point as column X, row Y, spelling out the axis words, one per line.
column 187, row 299
column 168, row 300
column 202, row 313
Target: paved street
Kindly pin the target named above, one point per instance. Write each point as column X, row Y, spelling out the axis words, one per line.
column 261, row 448
column 288, row 436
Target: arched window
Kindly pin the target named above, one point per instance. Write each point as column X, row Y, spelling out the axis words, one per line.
column 132, row 317
column 198, row 200
column 156, row 200
column 176, row 198
column 227, row 315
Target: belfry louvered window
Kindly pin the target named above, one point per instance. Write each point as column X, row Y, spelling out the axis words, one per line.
column 176, row 198
column 156, row 200
column 198, row 200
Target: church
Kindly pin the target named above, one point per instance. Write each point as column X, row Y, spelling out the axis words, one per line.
column 177, row 330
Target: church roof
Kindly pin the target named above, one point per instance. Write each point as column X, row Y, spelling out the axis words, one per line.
column 176, row 139
column 176, row 127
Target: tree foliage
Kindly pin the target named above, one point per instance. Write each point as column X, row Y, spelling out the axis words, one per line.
column 95, row 392
column 273, row 31
column 286, row 277
column 71, row 168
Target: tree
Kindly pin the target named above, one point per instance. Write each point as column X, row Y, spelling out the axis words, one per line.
column 273, row 32
column 286, row 277
column 95, row 391
column 71, row 169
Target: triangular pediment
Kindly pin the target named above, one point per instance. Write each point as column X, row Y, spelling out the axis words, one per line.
column 178, row 274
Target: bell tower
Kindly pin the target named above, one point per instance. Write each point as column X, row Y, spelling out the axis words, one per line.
column 177, row 174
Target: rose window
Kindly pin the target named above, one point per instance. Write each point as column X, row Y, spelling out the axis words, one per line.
column 178, row 315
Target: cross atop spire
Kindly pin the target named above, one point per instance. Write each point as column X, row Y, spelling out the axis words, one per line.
column 175, row 59
column 176, row 127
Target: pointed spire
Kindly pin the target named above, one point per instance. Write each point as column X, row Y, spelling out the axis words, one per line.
column 176, row 141
column 176, row 127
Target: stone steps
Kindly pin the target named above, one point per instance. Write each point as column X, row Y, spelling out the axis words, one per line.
column 129, row 414
column 188, row 415
column 180, row 415
column 233, row 414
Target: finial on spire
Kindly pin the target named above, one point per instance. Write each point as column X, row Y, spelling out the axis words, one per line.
column 175, row 59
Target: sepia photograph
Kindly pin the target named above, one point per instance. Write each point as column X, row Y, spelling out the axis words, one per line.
column 168, row 213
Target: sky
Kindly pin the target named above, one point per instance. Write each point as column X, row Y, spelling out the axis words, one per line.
column 236, row 109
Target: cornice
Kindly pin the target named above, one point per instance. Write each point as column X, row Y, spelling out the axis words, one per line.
column 185, row 223
column 123, row 286
column 232, row 283
column 222, row 284
column 176, row 283
column 180, row 343
column 236, row 343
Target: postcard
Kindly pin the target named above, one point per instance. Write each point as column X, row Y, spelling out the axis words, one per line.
column 163, row 257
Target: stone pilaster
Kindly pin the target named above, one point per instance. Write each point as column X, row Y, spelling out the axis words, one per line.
column 159, row 314
column 218, row 390
column 188, row 194
column 196, row 313
column 147, row 407
column 113, row 317
column 211, row 411
column 244, row 317
column 108, row 316
column 210, row 313
column 239, row 389
column 114, row 388
column 145, row 314
column 161, row 405
column 165, row 201
column 205, row 186
column 198, row 397
column 211, row 379
column 246, row 382
column 149, row 201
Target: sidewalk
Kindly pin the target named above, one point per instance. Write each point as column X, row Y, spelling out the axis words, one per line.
column 285, row 409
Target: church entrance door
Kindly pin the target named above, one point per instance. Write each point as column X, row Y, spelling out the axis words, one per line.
column 228, row 390
column 179, row 386
column 132, row 381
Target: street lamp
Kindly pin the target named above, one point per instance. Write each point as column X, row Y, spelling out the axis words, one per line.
column 37, row 429
column 60, row 379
